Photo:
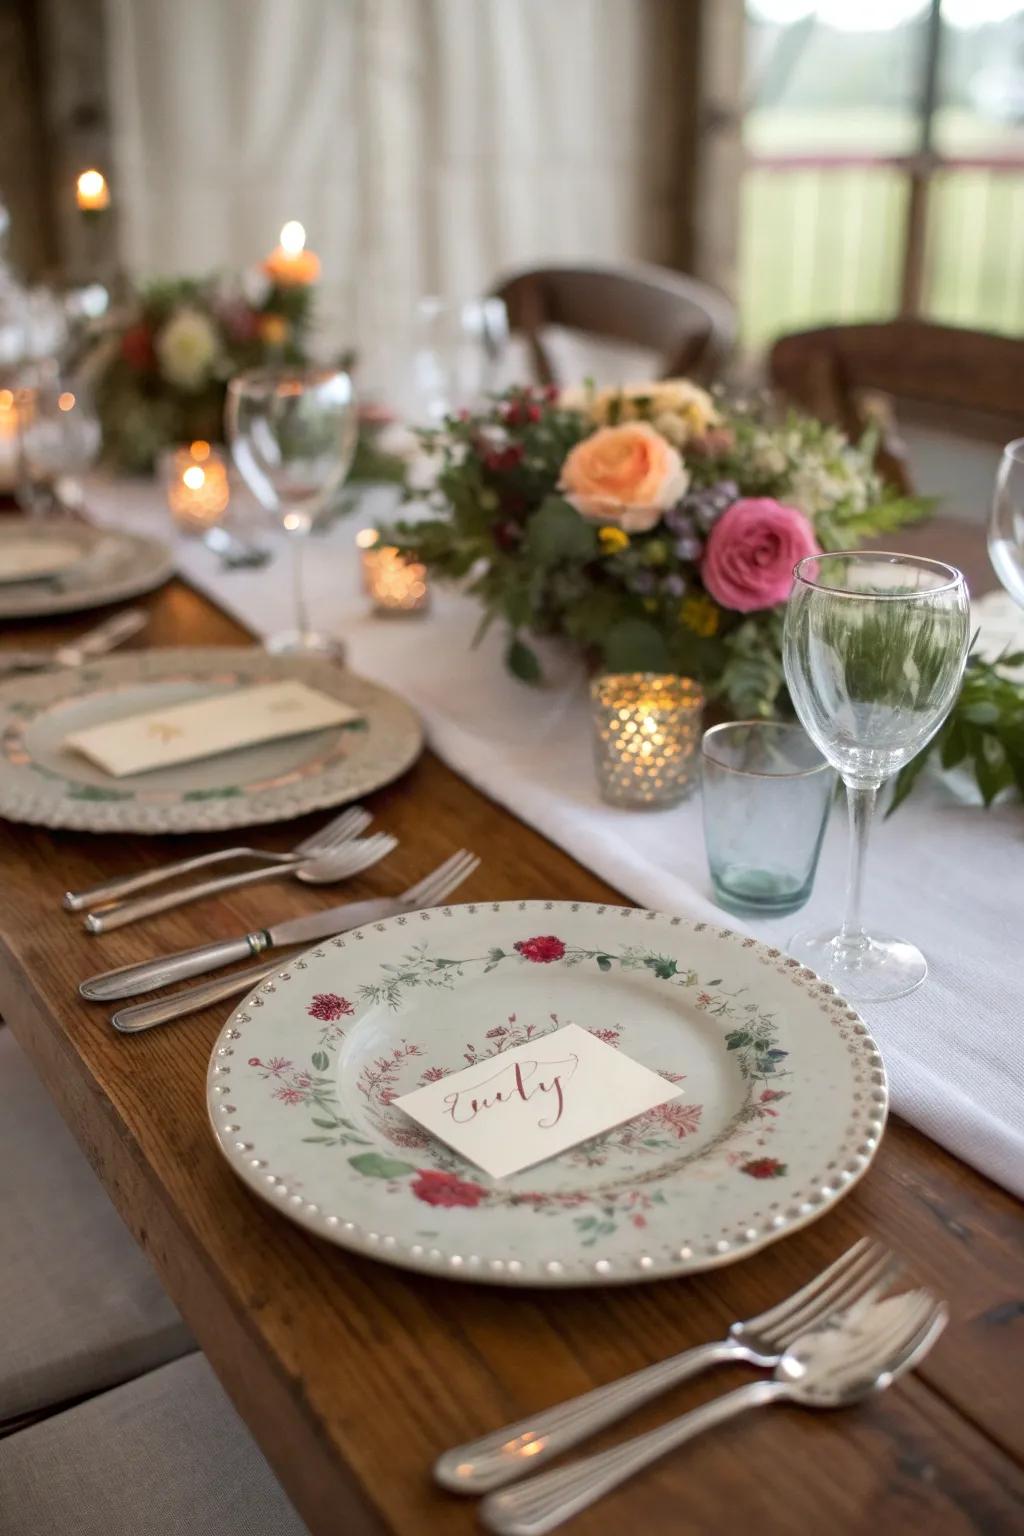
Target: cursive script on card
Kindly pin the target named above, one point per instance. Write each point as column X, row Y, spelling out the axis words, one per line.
column 521, row 1082
column 530, row 1101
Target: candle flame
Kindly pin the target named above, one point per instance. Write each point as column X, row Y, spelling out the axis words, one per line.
column 92, row 189
column 194, row 477
column 293, row 237
column 200, row 450
column 66, row 401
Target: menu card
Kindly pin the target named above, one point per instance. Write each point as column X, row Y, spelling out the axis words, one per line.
column 524, row 1105
column 162, row 738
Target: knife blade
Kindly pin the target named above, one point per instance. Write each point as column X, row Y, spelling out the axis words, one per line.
column 150, row 975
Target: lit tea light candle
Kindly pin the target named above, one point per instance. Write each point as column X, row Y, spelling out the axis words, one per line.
column 9, row 419
column 196, row 479
column 289, row 263
column 395, row 583
column 646, row 733
column 92, row 192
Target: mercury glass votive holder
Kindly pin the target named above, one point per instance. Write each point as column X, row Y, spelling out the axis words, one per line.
column 197, row 486
column 396, row 583
column 646, row 733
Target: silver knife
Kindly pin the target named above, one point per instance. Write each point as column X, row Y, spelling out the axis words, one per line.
column 95, row 642
column 149, row 975
column 130, row 1021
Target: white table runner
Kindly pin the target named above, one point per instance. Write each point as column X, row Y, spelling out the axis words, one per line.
column 942, row 871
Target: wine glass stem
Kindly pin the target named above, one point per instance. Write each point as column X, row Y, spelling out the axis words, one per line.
column 299, row 584
column 860, row 799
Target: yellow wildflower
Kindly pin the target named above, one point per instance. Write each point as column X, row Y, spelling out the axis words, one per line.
column 612, row 539
column 700, row 615
column 273, row 330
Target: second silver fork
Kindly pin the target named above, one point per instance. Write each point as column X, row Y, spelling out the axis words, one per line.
column 431, row 891
column 340, row 851
column 519, row 1448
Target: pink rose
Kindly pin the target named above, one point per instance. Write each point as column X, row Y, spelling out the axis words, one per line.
column 750, row 555
column 626, row 475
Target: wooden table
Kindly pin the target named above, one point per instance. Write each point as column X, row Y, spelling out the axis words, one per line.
column 353, row 1376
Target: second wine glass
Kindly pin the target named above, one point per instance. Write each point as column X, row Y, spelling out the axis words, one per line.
column 1006, row 526
column 293, row 436
column 874, row 649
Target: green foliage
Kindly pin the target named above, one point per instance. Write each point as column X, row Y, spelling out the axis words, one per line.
column 985, row 728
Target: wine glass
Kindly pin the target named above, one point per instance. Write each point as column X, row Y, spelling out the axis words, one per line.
column 293, row 435
column 457, row 352
column 59, row 437
column 874, row 649
column 1006, row 525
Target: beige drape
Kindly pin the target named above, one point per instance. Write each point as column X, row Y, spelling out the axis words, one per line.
column 425, row 144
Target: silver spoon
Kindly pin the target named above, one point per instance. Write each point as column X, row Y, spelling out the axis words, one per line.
column 863, row 1352
column 351, row 858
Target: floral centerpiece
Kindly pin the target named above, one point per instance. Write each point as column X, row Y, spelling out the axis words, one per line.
column 160, row 368
column 653, row 526
column 657, row 528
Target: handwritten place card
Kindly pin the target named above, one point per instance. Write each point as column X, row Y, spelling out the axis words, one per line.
column 33, row 559
column 526, row 1104
column 184, row 732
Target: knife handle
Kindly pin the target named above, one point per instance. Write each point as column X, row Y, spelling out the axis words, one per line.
column 130, row 1021
column 150, row 975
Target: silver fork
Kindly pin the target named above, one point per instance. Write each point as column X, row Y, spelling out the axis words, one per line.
column 338, row 855
column 431, row 891
column 354, row 820
column 95, row 642
column 860, row 1353
column 519, row 1448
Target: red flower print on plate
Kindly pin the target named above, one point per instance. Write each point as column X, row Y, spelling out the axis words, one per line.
column 540, row 950
column 445, row 1188
column 764, row 1168
column 328, row 1006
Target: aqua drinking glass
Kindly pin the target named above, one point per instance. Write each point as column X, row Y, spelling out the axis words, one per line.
column 767, row 794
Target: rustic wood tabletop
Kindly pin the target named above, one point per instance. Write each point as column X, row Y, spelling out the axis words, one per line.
column 354, row 1376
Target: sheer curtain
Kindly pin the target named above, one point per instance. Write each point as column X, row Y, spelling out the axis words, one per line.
column 425, row 144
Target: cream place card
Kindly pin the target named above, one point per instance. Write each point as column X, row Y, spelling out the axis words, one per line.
column 162, row 738
column 526, row 1104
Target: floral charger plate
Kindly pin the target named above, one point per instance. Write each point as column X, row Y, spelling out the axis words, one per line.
column 76, row 566
column 784, row 1092
column 43, row 781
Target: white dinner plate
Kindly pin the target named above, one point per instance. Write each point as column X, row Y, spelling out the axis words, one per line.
column 61, row 565
column 784, row 1092
column 42, row 780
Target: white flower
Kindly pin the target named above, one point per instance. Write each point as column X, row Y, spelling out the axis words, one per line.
column 767, row 457
column 813, row 488
column 187, row 348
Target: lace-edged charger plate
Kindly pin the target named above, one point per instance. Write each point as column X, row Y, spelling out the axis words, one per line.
column 783, row 1105
column 97, row 566
column 42, row 781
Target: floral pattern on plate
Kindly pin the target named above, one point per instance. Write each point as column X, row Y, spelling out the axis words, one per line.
column 382, row 1011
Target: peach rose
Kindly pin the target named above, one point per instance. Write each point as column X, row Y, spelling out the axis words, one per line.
column 627, row 475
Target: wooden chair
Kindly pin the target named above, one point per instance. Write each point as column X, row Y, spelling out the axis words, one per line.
column 967, row 383
column 687, row 323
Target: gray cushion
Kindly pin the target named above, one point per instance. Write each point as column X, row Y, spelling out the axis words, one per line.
column 165, row 1455
column 81, row 1306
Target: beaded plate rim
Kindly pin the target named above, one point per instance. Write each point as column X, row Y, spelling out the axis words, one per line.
column 40, row 800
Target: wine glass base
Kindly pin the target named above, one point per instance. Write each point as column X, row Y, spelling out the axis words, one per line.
column 295, row 642
column 883, row 968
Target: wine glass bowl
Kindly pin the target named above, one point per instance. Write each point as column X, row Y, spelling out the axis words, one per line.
column 292, row 433
column 874, row 650
column 1006, row 525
